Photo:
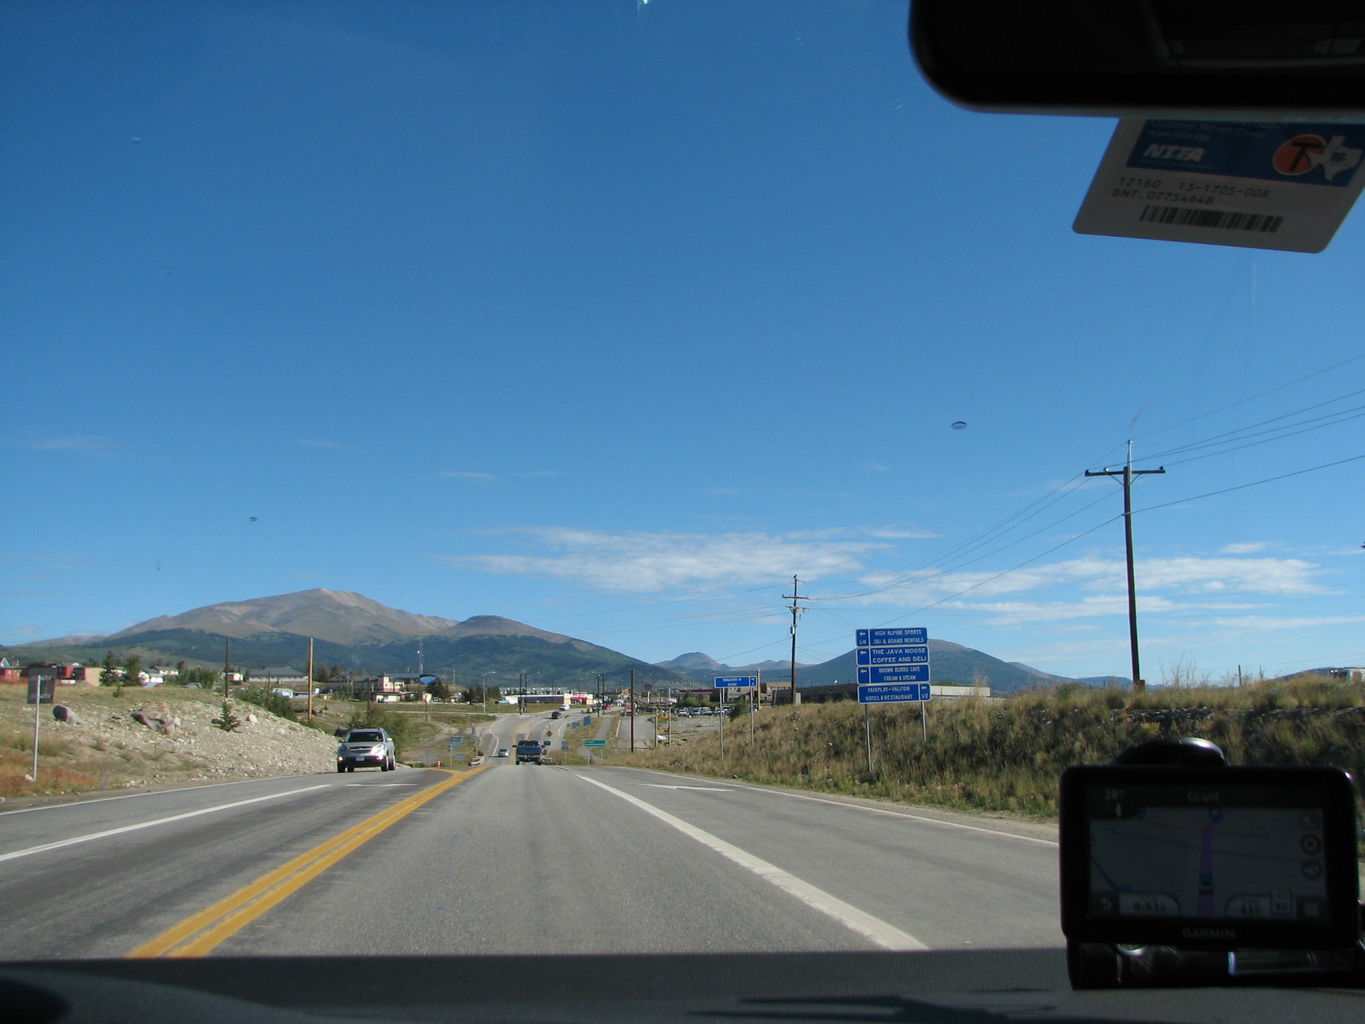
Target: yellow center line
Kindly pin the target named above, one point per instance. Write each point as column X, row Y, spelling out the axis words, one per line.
column 201, row 932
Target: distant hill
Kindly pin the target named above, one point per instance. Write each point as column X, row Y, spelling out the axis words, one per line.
column 949, row 663
column 703, row 668
column 362, row 637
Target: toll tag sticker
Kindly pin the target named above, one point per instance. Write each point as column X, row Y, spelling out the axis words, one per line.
column 1256, row 185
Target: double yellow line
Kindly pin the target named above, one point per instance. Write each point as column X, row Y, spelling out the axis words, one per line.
column 198, row 934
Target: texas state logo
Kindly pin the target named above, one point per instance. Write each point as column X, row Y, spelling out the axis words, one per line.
column 1309, row 151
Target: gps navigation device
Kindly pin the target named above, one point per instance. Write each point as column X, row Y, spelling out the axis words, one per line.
column 1213, row 858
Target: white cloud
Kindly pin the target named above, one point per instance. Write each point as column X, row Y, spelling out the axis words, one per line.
column 1274, row 623
column 470, row 474
column 901, row 533
column 1091, row 587
column 651, row 562
column 1182, row 575
column 1245, row 548
column 1014, row 613
column 1250, row 575
column 462, row 474
column 85, row 444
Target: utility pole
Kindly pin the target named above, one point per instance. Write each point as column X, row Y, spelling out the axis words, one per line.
column 632, row 711
column 796, row 609
column 227, row 664
column 1128, row 473
column 309, row 680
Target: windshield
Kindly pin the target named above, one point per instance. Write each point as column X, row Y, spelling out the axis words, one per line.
column 505, row 373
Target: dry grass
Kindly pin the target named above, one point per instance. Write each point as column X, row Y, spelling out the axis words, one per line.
column 108, row 750
column 16, row 778
column 1006, row 755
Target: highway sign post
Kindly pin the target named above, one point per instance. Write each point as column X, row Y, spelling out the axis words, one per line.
column 893, row 674
column 889, row 693
column 893, row 654
column 887, row 637
column 41, row 690
column 893, row 667
column 740, row 683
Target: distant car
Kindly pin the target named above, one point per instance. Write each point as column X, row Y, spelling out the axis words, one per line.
column 503, row 752
column 362, row 747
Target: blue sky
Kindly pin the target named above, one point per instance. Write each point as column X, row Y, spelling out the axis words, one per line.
column 611, row 317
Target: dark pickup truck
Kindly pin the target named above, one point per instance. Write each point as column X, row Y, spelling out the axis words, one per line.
column 528, row 751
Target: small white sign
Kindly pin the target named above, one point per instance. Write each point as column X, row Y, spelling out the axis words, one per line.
column 1255, row 185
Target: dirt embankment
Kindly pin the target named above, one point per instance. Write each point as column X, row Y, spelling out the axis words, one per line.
column 147, row 737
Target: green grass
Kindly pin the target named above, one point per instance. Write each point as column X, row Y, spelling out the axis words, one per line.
column 1006, row 755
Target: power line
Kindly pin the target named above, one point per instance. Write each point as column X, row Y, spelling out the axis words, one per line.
column 1253, row 483
column 1281, row 435
column 1241, row 432
column 1251, row 398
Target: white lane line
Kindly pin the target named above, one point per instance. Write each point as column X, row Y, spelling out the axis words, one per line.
column 873, row 928
column 134, row 796
column 75, row 840
column 893, row 814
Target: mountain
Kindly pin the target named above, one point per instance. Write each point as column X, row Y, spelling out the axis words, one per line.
column 703, row 668
column 335, row 615
column 694, row 662
column 949, row 663
column 362, row 637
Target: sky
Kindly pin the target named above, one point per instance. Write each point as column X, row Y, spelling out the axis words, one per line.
column 612, row 317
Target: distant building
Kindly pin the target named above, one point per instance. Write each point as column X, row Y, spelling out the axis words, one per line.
column 69, row 674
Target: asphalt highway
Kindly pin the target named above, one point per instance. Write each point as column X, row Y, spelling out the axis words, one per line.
column 510, row 859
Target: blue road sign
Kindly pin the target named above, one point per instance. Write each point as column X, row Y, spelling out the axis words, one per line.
column 891, row 693
column 730, row 682
column 885, row 637
column 893, row 674
column 903, row 654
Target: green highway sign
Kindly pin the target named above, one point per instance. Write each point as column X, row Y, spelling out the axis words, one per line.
column 594, row 743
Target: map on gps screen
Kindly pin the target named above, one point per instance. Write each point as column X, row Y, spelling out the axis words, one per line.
column 1216, row 862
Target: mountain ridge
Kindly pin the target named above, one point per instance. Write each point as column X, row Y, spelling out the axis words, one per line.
column 360, row 635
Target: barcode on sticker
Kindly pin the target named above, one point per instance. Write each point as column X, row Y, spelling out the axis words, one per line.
column 1211, row 218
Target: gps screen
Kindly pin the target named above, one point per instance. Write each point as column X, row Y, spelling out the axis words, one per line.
column 1236, row 858
column 1222, row 858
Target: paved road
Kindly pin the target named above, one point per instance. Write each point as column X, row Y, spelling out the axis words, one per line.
column 517, row 859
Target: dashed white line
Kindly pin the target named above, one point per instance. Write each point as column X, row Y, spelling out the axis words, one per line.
column 874, row 929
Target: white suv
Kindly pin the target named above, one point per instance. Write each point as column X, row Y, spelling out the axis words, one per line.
column 366, row 747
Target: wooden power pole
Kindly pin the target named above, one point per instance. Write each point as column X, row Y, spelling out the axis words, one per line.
column 1127, row 473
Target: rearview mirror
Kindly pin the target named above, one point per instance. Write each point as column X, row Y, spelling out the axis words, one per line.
column 1186, row 59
